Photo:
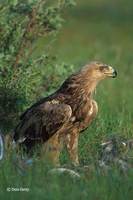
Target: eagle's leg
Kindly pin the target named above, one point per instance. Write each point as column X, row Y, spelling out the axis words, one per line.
column 72, row 147
column 52, row 149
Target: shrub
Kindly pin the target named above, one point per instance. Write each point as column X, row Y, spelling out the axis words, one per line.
column 22, row 24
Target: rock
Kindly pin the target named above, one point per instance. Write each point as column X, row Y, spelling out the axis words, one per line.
column 65, row 171
column 116, row 151
column 1, row 146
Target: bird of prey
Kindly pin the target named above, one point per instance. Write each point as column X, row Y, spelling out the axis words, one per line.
column 62, row 116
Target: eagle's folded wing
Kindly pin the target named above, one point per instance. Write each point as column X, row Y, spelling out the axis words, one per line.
column 41, row 122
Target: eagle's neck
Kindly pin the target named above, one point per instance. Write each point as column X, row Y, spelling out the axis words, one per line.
column 79, row 87
column 89, row 87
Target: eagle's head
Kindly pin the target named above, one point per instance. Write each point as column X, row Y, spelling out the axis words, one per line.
column 99, row 71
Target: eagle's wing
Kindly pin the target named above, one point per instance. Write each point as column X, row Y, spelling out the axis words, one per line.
column 42, row 121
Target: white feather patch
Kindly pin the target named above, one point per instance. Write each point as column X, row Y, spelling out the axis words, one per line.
column 91, row 110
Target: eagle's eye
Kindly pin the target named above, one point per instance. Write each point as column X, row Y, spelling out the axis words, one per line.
column 103, row 67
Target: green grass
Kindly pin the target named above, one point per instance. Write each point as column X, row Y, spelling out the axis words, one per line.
column 94, row 31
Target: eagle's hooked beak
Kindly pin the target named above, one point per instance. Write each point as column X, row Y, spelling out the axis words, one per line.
column 111, row 72
column 114, row 74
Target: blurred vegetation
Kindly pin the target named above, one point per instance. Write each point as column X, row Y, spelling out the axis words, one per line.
column 93, row 30
column 22, row 75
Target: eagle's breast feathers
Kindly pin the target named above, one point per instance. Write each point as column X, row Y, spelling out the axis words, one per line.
column 86, row 113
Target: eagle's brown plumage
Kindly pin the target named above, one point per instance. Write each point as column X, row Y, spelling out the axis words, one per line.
column 63, row 114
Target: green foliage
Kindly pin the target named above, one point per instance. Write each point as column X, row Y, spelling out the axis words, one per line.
column 93, row 184
column 97, row 30
column 22, row 75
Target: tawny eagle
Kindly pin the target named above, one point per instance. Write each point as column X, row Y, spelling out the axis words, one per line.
column 61, row 116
